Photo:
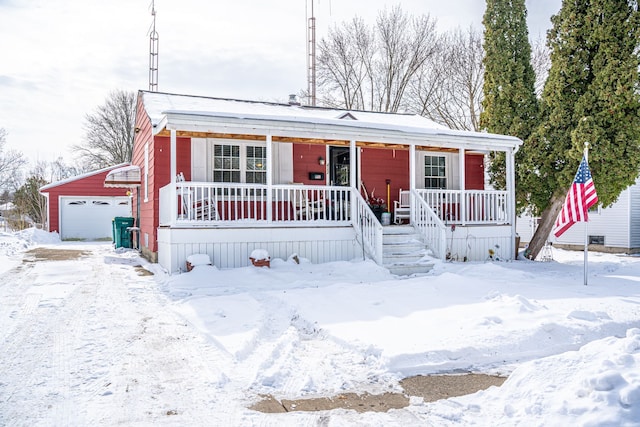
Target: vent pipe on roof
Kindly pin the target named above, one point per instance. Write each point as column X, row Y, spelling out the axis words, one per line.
column 293, row 99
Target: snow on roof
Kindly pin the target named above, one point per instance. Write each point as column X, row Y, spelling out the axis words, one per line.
column 158, row 105
column 78, row 177
column 124, row 177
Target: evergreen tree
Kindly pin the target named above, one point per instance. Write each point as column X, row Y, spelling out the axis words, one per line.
column 510, row 106
column 591, row 96
column 28, row 201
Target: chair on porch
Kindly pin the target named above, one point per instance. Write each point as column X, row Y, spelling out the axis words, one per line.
column 402, row 206
column 196, row 206
column 308, row 207
column 204, row 209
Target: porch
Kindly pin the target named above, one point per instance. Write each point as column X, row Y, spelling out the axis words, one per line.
column 320, row 222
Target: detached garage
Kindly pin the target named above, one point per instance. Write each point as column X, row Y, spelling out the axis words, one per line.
column 82, row 208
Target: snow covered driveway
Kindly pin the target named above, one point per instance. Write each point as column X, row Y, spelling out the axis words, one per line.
column 86, row 340
column 89, row 341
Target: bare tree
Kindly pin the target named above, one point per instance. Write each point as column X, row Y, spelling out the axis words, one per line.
column 345, row 65
column 11, row 163
column 109, row 132
column 58, row 170
column 448, row 88
column 541, row 63
column 370, row 69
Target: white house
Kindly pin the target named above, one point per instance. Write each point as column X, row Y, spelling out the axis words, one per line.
column 225, row 177
column 612, row 229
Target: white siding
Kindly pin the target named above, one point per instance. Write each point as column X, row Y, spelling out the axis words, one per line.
column 231, row 247
column 283, row 163
column 525, row 227
column 634, row 215
column 612, row 223
column 619, row 224
column 472, row 243
column 199, row 159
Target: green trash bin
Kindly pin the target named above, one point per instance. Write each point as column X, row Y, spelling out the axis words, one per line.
column 122, row 237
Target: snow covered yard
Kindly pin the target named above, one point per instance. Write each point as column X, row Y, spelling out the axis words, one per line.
column 91, row 341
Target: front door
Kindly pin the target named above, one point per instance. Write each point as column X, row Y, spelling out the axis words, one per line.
column 340, row 166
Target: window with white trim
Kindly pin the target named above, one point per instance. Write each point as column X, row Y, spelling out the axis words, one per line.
column 239, row 163
column 435, row 172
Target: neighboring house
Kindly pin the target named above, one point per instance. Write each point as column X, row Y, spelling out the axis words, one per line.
column 82, row 208
column 225, row 177
column 612, row 229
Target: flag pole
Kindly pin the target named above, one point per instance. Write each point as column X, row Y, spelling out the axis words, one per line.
column 586, row 226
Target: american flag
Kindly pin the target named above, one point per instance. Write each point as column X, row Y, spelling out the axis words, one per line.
column 581, row 196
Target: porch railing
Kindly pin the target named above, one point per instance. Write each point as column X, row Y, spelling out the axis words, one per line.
column 429, row 225
column 198, row 202
column 468, row 206
column 368, row 228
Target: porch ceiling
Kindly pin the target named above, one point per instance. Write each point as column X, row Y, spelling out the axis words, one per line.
column 300, row 140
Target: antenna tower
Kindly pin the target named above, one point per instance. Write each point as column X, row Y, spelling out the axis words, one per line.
column 311, row 57
column 153, row 52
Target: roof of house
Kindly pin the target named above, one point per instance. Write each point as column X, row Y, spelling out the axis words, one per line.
column 173, row 111
column 44, row 188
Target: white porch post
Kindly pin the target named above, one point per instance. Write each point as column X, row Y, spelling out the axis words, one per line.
column 412, row 167
column 511, row 194
column 463, row 186
column 412, row 182
column 269, row 179
column 353, row 174
column 174, row 171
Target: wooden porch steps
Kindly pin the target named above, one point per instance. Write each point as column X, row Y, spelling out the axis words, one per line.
column 403, row 251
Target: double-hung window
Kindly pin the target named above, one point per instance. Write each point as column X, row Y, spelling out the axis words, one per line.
column 435, row 172
column 239, row 163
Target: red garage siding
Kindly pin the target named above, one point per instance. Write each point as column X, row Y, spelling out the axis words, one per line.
column 85, row 185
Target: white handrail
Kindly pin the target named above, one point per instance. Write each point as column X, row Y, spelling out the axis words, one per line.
column 426, row 221
column 368, row 228
column 230, row 202
column 480, row 206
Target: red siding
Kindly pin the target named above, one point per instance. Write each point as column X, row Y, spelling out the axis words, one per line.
column 159, row 172
column 146, row 219
column 90, row 186
column 378, row 165
column 474, row 171
column 305, row 160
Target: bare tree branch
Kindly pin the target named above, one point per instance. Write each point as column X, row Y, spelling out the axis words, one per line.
column 11, row 163
column 109, row 132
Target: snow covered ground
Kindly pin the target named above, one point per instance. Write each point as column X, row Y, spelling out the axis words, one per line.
column 90, row 341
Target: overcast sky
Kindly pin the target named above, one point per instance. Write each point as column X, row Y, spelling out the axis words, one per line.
column 62, row 58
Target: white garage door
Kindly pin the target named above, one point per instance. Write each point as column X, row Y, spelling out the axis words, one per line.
column 90, row 218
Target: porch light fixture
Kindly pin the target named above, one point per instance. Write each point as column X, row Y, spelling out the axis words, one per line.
column 321, row 161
